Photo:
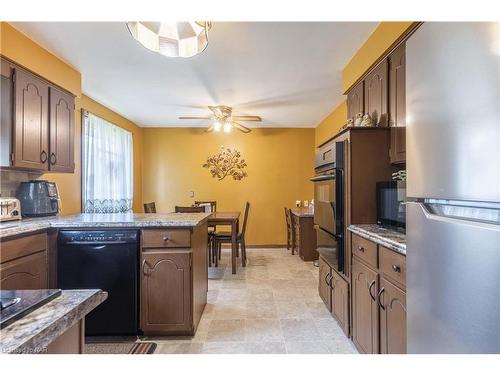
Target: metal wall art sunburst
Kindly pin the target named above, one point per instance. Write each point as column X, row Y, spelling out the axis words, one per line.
column 226, row 163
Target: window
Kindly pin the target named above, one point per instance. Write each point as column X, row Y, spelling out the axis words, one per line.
column 107, row 167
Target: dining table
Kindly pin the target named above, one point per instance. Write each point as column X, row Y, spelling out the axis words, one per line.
column 232, row 219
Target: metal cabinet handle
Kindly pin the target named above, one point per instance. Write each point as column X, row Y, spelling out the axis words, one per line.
column 396, row 268
column 43, row 156
column 332, row 284
column 361, row 248
column 379, row 297
column 370, row 290
column 330, row 281
column 53, row 158
column 145, row 270
column 166, row 238
column 326, row 277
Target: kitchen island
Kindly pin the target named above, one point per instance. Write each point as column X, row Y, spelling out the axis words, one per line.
column 173, row 270
column 55, row 327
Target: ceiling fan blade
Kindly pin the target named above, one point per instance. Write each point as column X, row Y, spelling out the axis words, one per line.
column 240, row 127
column 195, row 118
column 247, row 118
column 216, row 110
column 210, row 129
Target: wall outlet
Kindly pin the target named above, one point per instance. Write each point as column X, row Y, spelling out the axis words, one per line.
column 191, row 194
column 306, row 203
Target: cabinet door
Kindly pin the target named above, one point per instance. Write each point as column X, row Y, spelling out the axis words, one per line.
column 62, row 129
column 365, row 309
column 30, row 141
column 324, row 283
column 376, row 94
column 397, row 104
column 28, row 272
column 340, row 301
column 392, row 302
column 355, row 100
column 166, row 292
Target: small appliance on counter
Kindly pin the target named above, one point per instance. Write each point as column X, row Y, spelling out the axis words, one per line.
column 391, row 204
column 38, row 198
column 10, row 209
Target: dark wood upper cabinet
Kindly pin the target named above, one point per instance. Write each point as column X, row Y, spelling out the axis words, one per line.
column 376, row 92
column 397, row 104
column 166, row 292
column 365, row 318
column 37, row 122
column 356, row 100
column 31, row 110
column 62, row 131
column 392, row 318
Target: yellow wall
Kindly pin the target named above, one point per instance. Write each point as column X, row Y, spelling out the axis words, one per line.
column 23, row 51
column 280, row 163
column 19, row 48
column 382, row 38
column 331, row 124
column 70, row 184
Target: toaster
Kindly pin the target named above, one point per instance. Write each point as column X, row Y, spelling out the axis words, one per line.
column 10, row 209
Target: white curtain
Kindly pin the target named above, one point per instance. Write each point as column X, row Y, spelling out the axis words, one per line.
column 108, row 167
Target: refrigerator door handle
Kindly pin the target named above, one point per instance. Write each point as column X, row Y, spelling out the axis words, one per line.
column 457, row 220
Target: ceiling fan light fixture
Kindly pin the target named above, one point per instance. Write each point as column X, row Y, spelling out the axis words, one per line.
column 227, row 127
column 217, row 126
column 172, row 39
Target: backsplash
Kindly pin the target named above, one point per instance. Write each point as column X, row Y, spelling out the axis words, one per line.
column 10, row 180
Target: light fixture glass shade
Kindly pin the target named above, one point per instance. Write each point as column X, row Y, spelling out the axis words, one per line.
column 227, row 127
column 217, row 126
column 173, row 39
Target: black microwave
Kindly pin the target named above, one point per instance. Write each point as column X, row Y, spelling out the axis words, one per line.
column 391, row 204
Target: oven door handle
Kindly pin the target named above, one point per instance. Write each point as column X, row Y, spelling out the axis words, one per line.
column 323, row 177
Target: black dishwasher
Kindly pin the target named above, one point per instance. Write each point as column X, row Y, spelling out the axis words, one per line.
column 107, row 260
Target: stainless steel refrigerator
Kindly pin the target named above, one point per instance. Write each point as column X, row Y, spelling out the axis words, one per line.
column 453, row 167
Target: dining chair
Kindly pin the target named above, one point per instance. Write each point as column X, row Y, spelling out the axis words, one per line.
column 225, row 237
column 189, row 209
column 213, row 204
column 290, row 230
column 150, row 208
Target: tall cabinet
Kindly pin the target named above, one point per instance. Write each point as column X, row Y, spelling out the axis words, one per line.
column 381, row 94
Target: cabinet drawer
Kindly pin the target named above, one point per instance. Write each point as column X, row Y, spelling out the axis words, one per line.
column 393, row 265
column 19, row 247
column 162, row 238
column 365, row 250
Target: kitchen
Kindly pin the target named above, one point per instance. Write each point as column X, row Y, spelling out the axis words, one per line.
column 140, row 239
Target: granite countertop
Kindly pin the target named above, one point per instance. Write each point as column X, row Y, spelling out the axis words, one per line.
column 129, row 220
column 32, row 333
column 386, row 237
column 303, row 212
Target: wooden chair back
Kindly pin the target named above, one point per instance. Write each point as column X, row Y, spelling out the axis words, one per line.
column 150, row 208
column 245, row 219
column 288, row 217
column 213, row 204
column 189, row 209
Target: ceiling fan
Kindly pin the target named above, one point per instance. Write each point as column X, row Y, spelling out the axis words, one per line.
column 223, row 119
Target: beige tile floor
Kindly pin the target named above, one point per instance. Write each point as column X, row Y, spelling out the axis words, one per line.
column 271, row 306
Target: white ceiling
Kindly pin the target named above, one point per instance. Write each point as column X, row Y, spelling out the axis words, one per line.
column 286, row 72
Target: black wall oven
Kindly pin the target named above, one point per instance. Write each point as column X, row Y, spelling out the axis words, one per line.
column 329, row 188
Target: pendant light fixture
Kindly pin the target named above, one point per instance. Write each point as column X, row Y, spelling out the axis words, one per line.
column 172, row 39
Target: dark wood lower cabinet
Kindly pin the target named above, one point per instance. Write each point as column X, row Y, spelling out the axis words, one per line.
column 340, row 301
column 174, row 280
column 324, row 283
column 392, row 302
column 166, row 292
column 365, row 324
column 28, row 272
